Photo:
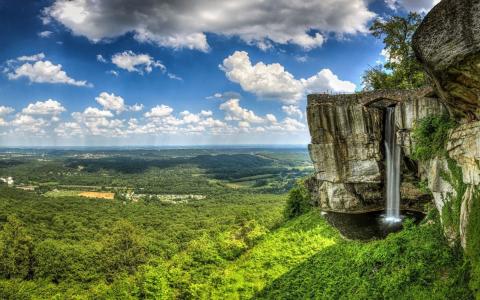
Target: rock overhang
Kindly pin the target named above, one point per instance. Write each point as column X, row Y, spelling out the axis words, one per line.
column 447, row 44
column 347, row 134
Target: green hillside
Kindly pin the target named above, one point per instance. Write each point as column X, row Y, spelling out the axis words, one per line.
column 307, row 259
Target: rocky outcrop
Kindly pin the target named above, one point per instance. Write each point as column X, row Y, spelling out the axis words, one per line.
column 455, row 179
column 347, row 130
column 345, row 151
column 414, row 108
column 347, row 147
column 347, row 133
column 447, row 43
column 464, row 147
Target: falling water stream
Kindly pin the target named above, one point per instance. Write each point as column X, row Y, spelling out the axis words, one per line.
column 392, row 162
column 375, row 225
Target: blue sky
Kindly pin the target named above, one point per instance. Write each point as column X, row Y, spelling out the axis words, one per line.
column 112, row 73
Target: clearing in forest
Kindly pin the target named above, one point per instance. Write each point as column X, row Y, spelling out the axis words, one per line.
column 102, row 195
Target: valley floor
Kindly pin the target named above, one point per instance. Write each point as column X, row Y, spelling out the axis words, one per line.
column 303, row 258
column 158, row 225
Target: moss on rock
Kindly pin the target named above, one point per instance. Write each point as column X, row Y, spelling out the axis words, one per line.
column 473, row 244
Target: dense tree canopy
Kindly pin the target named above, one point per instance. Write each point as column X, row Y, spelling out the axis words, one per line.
column 15, row 249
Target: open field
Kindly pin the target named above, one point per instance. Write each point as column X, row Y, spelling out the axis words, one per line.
column 80, row 193
column 62, row 193
column 100, row 195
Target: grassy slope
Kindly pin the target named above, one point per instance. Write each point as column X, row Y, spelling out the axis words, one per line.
column 307, row 259
column 303, row 259
column 284, row 249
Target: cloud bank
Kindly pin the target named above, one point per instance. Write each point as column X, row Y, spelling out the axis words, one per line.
column 113, row 119
column 184, row 23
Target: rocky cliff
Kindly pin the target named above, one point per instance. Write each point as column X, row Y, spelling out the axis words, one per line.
column 347, row 147
column 448, row 44
column 347, row 133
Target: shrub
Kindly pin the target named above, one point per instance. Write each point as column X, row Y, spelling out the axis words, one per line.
column 298, row 201
column 230, row 247
column 430, row 136
column 250, row 232
column 203, row 250
column 453, row 202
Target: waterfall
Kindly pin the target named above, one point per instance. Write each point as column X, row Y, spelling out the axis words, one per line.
column 392, row 162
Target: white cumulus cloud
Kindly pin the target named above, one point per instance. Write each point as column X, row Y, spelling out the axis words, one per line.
column 233, row 111
column 35, row 69
column 136, row 107
column 5, row 110
column 272, row 81
column 159, row 111
column 95, row 122
column 326, row 81
column 34, row 57
column 292, row 110
column 184, row 23
column 43, row 108
column 271, row 118
column 27, row 123
column 45, row 34
column 93, row 112
column 132, row 62
column 111, row 102
column 101, row 59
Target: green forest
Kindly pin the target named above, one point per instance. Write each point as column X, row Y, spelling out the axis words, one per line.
column 243, row 240
column 258, row 222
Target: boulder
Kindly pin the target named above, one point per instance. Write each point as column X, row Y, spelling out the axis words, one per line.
column 447, row 43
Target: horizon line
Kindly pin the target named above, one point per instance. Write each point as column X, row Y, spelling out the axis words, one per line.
column 151, row 146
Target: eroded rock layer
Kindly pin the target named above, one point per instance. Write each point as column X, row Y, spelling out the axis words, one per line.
column 347, row 147
column 447, row 43
column 454, row 180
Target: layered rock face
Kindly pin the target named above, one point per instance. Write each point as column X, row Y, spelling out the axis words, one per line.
column 345, row 151
column 454, row 180
column 348, row 144
column 448, row 45
column 347, row 133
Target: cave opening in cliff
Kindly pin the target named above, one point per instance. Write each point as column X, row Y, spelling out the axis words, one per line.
column 370, row 225
column 392, row 166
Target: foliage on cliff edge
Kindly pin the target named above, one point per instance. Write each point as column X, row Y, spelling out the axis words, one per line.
column 401, row 69
column 430, row 136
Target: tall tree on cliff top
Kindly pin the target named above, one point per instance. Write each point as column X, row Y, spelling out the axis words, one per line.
column 401, row 70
